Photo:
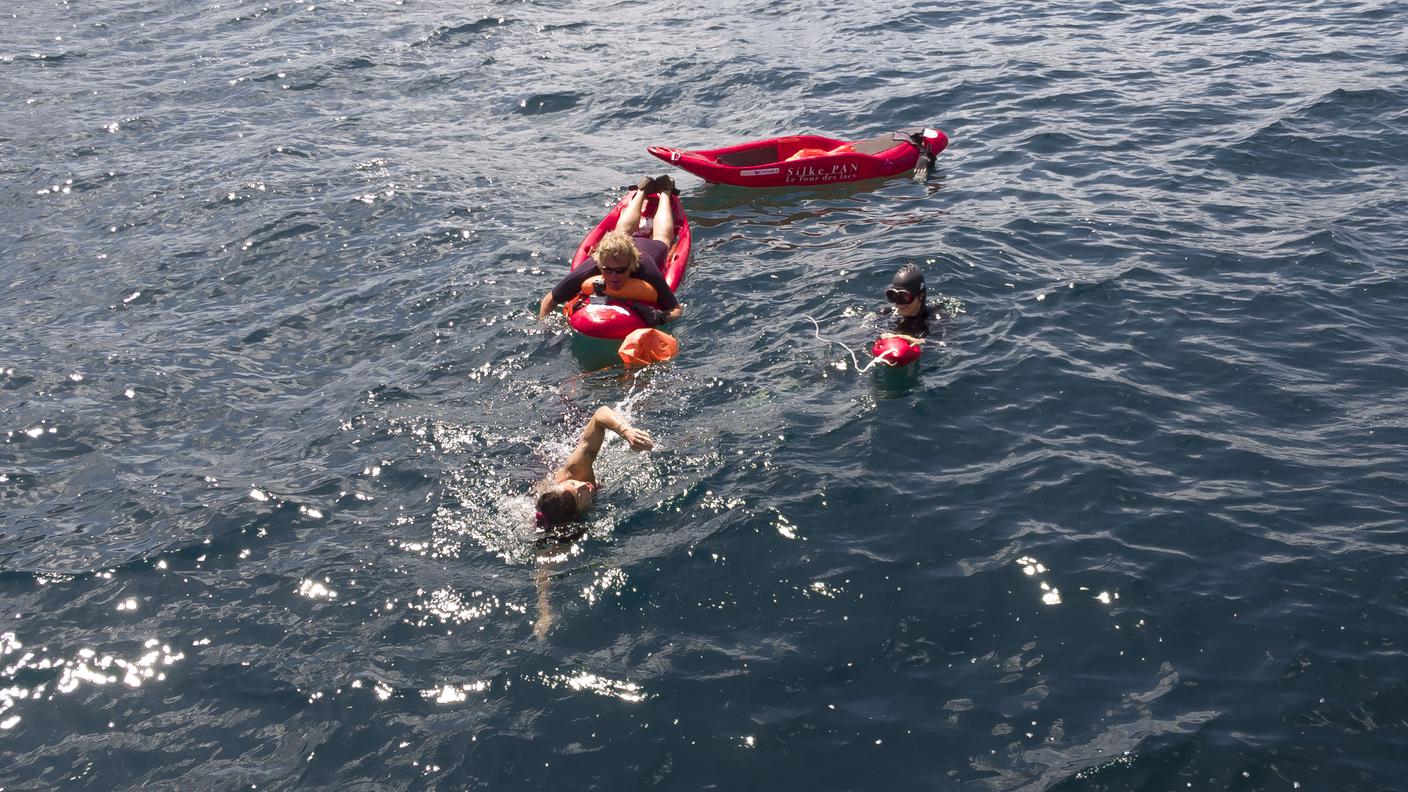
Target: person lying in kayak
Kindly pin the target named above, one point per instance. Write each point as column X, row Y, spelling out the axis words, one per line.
column 573, row 486
column 621, row 254
column 911, row 312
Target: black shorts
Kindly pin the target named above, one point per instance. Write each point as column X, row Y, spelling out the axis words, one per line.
column 652, row 249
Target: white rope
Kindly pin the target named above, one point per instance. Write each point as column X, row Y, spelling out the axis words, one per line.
column 854, row 361
column 819, row 337
column 878, row 358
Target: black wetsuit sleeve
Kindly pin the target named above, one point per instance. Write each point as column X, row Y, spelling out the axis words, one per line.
column 571, row 286
column 649, row 271
column 664, row 298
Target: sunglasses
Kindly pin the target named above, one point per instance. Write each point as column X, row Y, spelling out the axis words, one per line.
column 899, row 296
column 614, row 270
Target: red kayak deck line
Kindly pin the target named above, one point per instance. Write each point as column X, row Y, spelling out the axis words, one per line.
column 615, row 320
column 799, row 160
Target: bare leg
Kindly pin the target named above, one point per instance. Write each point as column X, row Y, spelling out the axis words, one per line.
column 664, row 223
column 629, row 220
column 542, row 577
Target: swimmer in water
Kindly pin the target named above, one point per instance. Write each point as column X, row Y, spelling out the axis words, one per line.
column 907, row 293
column 573, row 486
column 570, row 494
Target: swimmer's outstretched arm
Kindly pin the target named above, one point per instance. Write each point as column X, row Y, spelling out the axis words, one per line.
column 579, row 464
column 606, row 417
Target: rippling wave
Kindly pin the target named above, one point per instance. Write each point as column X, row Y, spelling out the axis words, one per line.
column 274, row 400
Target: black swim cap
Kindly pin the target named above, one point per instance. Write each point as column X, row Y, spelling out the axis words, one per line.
column 909, row 278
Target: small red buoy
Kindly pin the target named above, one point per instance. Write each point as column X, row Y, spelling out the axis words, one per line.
column 895, row 351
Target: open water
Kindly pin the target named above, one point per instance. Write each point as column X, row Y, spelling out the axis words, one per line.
column 272, row 400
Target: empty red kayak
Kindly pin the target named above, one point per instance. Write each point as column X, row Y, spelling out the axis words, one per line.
column 801, row 160
column 615, row 319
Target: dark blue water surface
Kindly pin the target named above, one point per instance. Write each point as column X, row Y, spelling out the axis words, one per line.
column 273, row 399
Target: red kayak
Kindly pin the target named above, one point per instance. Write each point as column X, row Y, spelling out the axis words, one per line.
column 615, row 319
column 801, row 160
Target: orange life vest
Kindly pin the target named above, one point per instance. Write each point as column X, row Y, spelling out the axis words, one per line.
column 633, row 289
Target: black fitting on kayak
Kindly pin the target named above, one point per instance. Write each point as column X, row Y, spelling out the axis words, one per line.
column 925, row 164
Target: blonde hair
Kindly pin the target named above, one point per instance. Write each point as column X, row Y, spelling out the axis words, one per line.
column 616, row 246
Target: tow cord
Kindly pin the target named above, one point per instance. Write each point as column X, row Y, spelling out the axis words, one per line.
column 854, row 361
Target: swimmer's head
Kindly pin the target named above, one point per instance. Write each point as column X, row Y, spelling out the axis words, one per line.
column 910, row 278
column 564, row 502
column 906, row 286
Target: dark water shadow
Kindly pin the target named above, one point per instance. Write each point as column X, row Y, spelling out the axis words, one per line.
column 893, row 382
column 595, row 354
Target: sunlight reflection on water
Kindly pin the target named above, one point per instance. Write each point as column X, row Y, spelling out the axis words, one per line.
column 87, row 667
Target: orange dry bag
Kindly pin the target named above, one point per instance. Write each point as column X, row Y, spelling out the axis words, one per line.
column 648, row 345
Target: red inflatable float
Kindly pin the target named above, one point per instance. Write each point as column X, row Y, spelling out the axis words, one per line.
column 801, row 160
column 611, row 316
column 895, row 351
